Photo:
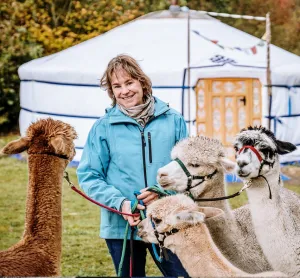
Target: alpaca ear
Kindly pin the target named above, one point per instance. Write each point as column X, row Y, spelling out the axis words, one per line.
column 284, row 147
column 187, row 217
column 227, row 164
column 58, row 144
column 210, row 212
column 16, row 146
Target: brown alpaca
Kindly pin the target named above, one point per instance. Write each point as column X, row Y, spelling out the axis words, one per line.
column 50, row 147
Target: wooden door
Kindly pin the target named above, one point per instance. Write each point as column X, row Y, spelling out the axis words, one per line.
column 225, row 106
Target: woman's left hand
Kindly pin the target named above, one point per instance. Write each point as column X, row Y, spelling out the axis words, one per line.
column 147, row 196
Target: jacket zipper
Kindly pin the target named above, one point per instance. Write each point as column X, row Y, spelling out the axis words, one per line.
column 144, row 157
column 143, row 149
column 150, row 147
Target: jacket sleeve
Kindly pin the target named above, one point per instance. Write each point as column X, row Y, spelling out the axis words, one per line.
column 181, row 129
column 93, row 167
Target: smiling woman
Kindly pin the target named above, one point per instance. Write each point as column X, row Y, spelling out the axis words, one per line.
column 127, row 91
column 123, row 152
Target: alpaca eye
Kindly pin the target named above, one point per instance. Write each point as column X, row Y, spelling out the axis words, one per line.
column 194, row 165
column 264, row 147
column 156, row 220
column 236, row 148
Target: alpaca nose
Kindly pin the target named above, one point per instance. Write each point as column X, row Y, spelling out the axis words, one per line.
column 162, row 173
column 242, row 163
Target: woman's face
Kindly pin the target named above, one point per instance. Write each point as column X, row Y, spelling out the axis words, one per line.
column 127, row 91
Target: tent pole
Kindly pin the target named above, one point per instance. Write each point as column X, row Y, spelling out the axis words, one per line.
column 269, row 81
column 189, row 73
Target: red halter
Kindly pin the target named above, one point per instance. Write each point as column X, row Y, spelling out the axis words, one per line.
column 262, row 163
column 252, row 149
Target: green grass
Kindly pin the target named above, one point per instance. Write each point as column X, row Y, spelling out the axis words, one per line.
column 84, row 253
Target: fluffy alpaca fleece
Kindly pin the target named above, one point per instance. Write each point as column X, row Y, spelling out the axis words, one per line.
column 276, row 221
column 192, row 242
column 38, row 253
column 232, row 231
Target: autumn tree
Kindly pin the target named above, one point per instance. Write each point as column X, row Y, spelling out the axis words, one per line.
column 35, row 28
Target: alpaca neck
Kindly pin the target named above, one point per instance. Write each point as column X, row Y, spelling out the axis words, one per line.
column 207, row 260
column 43, row 207
column 258, row 192
column 216, row 189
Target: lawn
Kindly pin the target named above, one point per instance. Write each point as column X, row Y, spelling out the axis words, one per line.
column 84, row 253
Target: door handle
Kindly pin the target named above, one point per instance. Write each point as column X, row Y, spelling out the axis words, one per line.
column 243, row 99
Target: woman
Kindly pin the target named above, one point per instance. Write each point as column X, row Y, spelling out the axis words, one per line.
column 123, row 152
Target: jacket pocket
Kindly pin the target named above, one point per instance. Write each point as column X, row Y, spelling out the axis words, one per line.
column 160, row 148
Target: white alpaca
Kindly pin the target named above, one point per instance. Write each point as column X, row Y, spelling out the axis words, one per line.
column 179, row 222
column 275, row 210
column 232, row 231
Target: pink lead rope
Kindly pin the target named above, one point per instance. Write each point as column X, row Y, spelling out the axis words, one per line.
column 73, row 187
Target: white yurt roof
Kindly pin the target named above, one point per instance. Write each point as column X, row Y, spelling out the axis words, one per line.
column 65, row 84
column 159, row 42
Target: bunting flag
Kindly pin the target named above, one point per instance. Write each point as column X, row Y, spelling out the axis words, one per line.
column 248, row 50
column 253, row 49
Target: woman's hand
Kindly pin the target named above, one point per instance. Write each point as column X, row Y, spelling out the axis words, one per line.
column 147, row 196
column 132, row 220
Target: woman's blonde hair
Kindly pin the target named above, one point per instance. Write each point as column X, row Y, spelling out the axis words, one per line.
column 131, row 66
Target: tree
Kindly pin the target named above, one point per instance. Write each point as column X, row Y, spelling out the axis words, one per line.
column 32, row 29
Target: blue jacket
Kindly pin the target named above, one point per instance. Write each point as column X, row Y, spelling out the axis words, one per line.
column 120, row 156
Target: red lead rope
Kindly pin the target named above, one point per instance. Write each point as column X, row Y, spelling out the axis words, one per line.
column 73, row 187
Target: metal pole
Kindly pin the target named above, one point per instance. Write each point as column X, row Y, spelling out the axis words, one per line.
column 188, row 72
column 269, row 81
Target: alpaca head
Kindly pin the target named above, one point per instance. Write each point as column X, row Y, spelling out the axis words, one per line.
column 202, row 156
column 263, row 158
column 173, row 212
column 46, row 136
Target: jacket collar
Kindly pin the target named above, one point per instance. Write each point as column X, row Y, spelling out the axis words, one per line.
column 116, row 116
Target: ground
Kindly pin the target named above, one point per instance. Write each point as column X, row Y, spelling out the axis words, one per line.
column 293, row 172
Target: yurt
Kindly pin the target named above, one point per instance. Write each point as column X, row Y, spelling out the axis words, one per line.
column 224, row 92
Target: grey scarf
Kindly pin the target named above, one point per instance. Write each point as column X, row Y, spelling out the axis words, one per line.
column 141, row 113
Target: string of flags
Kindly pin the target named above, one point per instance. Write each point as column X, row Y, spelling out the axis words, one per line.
column 248, row 50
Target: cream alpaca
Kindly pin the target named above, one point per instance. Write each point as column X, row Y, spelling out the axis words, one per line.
column 50, row 147
column 191, row 240
column 276, row 221
column 232, row 231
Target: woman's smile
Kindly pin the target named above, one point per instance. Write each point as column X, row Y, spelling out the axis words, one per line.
column 128, row 97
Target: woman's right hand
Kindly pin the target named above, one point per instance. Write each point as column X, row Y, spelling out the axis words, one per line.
column 126, row 208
